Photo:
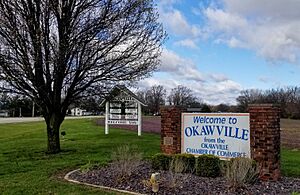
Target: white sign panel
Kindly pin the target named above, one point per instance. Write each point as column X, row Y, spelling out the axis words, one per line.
column 131, row 111
column 131, row 104
column 124, row 98
column 226, row 135
column 118, row 105
column 133, row 116
column 115, row 110
column 122, row 122
column 115, row 116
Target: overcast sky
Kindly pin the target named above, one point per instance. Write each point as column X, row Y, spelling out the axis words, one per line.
column 218, row 48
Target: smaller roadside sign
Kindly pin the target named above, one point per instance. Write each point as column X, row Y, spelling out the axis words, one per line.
column 115, row 110
column 114, row 105
column 122, row 122
column 131, row 111
column 124, row 98
column 115, row 116
column 133, row 116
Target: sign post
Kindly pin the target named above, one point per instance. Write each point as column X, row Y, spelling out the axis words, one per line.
column 139, row 120
column 106, row 117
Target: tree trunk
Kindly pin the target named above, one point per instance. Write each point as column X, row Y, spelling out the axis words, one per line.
column 53, row 125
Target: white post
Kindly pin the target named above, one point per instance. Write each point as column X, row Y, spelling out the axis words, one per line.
column 106, row 117
column 139, row 119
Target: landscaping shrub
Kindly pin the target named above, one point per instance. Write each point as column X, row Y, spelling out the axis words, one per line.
column 183, row 163
column 208, row 166
column 239, row 171
column 161, row 161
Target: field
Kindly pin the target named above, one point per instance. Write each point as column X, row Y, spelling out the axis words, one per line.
column 290, row 133
column 25, row 168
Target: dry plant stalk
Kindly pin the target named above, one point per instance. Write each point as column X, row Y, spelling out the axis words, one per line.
column 126, row 161
column 178, row 166
column 175, row 176
column 240, row 171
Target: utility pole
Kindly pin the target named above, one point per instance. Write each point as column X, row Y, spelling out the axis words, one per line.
column 32, row 108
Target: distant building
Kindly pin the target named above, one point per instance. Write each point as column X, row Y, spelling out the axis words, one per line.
column 78, row 112
column 4, row 113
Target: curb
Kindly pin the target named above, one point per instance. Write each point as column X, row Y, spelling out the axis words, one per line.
column 67, row 177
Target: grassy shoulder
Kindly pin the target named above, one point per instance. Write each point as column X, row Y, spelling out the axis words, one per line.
column 26, row 169
column 290, row 162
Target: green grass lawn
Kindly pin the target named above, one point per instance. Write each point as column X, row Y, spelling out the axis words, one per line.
column 26, row 169
column 290, row 162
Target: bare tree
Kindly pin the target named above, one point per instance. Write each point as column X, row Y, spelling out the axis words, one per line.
column 249, row 97
column 182, row 95
column 155, row 97
column 57, row 51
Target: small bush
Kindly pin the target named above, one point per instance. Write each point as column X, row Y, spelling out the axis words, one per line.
column 208, row 166
column 183, row 163
column 161, row 161
column 240, row 171
column 126, row 160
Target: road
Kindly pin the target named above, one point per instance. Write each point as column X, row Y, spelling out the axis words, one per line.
column 33, row 119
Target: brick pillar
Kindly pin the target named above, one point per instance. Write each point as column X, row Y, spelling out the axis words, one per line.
column 265, row 139
column 171, row 129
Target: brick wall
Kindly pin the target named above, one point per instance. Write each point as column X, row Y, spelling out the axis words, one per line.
column 171, row 129
column 265, row 139
column 264, row 136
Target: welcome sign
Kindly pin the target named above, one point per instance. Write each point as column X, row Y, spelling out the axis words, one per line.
column 226, row 135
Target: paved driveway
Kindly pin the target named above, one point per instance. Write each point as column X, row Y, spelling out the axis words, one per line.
column 33, row 119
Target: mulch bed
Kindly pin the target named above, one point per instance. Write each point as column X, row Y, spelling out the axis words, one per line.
column 179, row 183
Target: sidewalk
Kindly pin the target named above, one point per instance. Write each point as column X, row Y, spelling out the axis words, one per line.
column 33, row 119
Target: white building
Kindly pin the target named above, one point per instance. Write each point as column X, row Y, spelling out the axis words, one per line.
column 77, row 112
column 3, row 113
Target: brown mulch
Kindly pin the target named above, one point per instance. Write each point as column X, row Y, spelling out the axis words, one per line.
column 171, row 183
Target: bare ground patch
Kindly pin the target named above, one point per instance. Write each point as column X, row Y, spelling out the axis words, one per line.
column 290, row 133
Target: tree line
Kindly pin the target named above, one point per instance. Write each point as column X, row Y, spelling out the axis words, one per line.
column 156, row 96
column 288, row 98
column 17, row 105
